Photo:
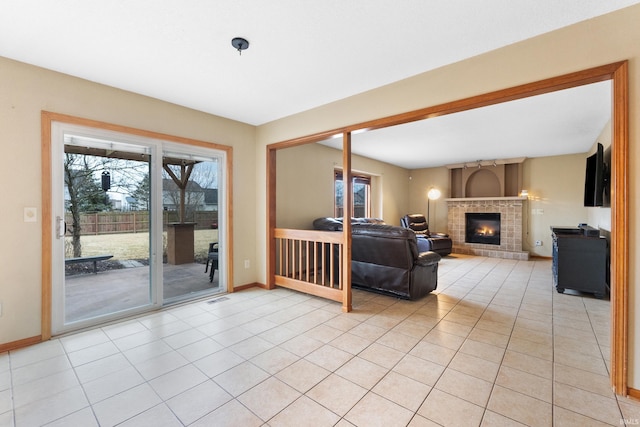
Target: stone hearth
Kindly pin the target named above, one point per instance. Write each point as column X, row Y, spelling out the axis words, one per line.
column 511, row 212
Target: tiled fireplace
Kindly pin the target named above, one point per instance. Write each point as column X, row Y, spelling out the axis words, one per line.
column 510, row 210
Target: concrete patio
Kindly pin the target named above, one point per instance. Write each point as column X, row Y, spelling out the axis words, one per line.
column 90, row 295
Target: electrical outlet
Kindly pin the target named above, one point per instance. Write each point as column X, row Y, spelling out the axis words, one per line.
column 538, row 242
column 247, row 263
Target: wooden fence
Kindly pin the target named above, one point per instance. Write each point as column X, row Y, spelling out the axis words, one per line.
column 134, row 221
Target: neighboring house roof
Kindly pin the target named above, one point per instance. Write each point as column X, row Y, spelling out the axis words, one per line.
column 169, row 185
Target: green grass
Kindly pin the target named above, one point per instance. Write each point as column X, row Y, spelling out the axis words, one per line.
column 136, row 245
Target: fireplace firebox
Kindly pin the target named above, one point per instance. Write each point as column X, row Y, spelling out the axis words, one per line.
column 482, row 228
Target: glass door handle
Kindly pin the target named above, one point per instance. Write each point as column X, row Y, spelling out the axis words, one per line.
column 61, row 227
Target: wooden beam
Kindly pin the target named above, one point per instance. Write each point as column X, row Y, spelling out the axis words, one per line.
column 346, row 221
column 619, row 280
column 271, row 216
column 47, row 231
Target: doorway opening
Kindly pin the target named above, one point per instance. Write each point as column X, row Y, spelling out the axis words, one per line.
column 617, row 73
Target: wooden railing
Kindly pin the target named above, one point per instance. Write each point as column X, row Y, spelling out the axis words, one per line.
column 312, row 262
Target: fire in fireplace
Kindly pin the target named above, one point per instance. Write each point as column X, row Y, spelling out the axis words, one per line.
column 482, row 228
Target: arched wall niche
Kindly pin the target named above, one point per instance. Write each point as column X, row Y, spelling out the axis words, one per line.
column 484, row 183
column 499, row 178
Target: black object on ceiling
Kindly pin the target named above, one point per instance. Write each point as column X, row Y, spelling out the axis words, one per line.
column 240, row 44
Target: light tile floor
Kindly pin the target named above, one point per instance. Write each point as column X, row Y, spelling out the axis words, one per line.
column 494, row 346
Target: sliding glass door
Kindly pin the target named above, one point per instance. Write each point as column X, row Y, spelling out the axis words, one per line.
column 135, row 224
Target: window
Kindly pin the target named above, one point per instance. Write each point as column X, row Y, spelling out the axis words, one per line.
column 361, row 195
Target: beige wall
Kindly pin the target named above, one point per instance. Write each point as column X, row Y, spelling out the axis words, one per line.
column 305, row 185
column 421, row 181
column 607, row 39
column 24, row 92
column 556, row 194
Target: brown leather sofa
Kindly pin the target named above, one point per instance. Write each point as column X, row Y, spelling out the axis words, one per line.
column 386, row 258
column 427, row 240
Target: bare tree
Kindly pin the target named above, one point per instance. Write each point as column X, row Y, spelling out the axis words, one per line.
column 85, row 194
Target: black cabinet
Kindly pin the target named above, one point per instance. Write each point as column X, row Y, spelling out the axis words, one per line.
column 580, row 260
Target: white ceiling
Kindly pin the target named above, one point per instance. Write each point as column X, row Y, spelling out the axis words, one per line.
column 303, row 54
column 557, row 123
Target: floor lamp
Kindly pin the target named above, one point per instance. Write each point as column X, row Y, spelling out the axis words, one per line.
column 433, row 194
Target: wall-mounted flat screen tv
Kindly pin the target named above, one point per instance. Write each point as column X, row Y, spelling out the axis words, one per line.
column 595, row 178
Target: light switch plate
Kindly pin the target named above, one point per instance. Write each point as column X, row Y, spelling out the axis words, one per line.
column 30, row 214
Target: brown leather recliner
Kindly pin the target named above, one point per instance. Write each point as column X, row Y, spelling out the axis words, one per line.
column 386, row 259
column 427, row 241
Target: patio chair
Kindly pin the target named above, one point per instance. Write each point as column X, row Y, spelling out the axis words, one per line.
column 212, row 259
